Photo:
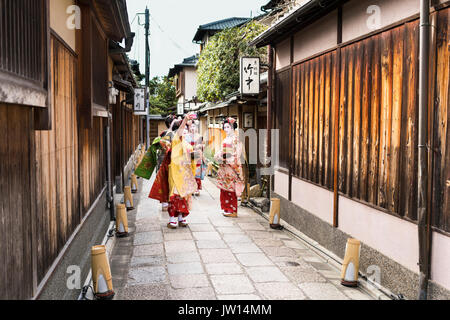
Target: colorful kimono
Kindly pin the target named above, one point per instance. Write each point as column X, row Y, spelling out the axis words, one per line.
column 181, row 178
column 150, row 160
column 230, row 178
column 200, row 166
column 160, row 188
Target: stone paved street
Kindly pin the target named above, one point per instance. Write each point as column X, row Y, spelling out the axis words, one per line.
column 217, row 257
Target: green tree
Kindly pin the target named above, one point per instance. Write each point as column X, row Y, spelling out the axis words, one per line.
column 218, row 66
column 163, row 96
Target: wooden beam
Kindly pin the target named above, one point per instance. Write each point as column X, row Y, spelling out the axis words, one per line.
column 43, row 117
column 84, row 51
column 336, row 139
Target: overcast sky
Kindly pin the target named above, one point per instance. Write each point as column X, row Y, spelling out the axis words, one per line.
column 173, row 24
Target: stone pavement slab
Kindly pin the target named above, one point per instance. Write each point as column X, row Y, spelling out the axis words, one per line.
column 147, row 275
column 253, row 259
column 211, row 244
column 266, row 274
column 217, row 257
column 186, row 268
column 322, row 291
column 189, row 281
column 223, row 268
column 280, row 291
column 232, row 284
column 192, row 294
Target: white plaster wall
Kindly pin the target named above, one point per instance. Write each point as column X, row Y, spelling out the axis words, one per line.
column 313, row 199
column 317, row 37
column 58, row 20
column 440, row 259
column 394, row 237
column 190, row 82
column 355, row 17
column 281, row 184
column 283, row 54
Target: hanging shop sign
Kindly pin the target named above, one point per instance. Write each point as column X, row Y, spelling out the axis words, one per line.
column 140, row 108
column 250, row 76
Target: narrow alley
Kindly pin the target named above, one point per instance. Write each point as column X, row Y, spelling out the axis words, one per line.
column 217, row 257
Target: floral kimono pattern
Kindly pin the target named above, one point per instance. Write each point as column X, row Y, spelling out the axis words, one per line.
column 229, row 176
column 200, row 166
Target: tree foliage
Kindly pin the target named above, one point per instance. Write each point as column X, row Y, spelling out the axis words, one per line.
column 218, row 66
column 162, row 95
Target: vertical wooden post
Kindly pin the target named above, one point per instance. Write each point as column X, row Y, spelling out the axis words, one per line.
column 269, row 109
column 34, row 204
column 291, row 124
column 85, row 63
column 43, row 117
column 336, row 139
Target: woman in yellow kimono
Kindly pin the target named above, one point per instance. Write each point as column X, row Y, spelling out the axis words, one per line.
column 182, row 183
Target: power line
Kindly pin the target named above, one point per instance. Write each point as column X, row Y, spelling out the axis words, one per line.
column 173, row 41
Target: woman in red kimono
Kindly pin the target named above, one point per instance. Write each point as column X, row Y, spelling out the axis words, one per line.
column 176, row 182
column 230, row 178
column 160, row 188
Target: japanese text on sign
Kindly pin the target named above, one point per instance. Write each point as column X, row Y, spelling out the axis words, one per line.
column 250, row 75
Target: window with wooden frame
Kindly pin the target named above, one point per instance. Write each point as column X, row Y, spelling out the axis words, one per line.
column 92, row 50
column 180, row 83
column 24, row 56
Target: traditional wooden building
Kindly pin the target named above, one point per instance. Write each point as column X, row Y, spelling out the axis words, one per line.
column 206, row 31
column 58, row 68
column 344, row 95
column 184, row 76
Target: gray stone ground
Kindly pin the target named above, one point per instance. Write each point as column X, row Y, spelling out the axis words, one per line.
column 217, row 257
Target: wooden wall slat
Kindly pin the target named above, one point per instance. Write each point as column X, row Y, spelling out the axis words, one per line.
column 365, row 119
column 349, row 132
column 397, row 96
column 356, row 139
column 342, row 143
column 321, row 115
column 375, row 121
column 4, row 205
column 408, row 196
column 385, row 117
column 305, row 167
column 327, row 125
column 441, row 192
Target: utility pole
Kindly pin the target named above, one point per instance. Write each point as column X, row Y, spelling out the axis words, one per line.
column 147, row 71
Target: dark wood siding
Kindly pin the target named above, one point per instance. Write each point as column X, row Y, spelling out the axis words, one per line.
column 371, row 88
column 281, row 115
column 23, row 38
column 314, row 106
column 378, row 116
column 441, row 130
column 57, row 207
column 92, row 162
column 16, row 169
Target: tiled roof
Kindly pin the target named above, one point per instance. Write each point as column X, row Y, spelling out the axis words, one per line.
column 219, row 25
column 187, row 62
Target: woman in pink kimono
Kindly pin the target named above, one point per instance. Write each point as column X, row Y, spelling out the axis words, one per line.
column 230, row 178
